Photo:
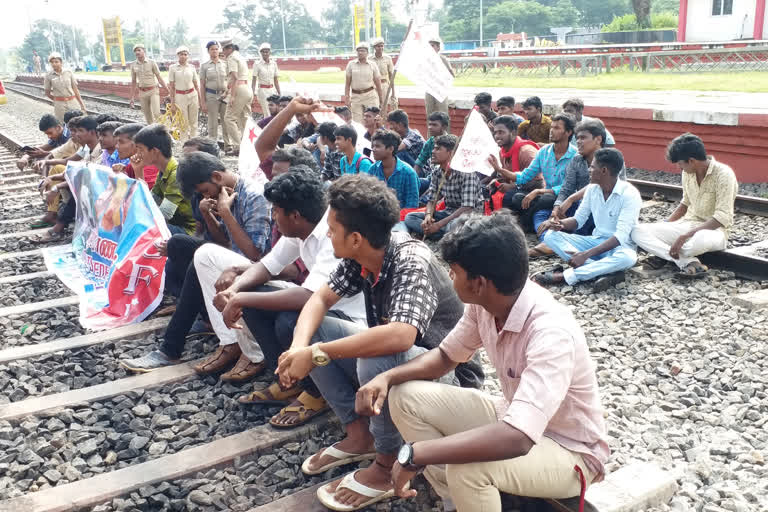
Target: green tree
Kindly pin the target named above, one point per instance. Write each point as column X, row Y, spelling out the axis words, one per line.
column 526, row 16
column 337, row 22
column 47, row 36
column 391, row 29
column 175, row 35
column 460, row 20
column 595, row 13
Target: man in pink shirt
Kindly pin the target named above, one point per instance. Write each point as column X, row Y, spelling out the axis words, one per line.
column 546, row 436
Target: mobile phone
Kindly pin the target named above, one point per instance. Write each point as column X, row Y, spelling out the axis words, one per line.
column 27, row 149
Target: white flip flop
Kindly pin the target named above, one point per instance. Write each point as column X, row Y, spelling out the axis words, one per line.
column 328, row 498
column 342, row 456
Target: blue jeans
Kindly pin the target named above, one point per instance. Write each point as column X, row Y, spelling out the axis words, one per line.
column 414, row 219
column 542, row 215
column 567, row 244
column 341, row 378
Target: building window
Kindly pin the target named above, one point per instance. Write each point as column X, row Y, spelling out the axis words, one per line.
column 722, row 7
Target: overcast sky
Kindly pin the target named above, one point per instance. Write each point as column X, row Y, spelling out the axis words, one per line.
column 18, row 15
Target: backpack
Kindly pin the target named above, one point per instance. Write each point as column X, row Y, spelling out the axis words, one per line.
column 357, row 165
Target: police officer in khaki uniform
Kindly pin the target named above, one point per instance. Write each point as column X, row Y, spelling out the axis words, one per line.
column 364, row 83
column 145, row 76
column 240, row 94
column 386, row 70
column 213, row 82
column 265, row 82
column 431, row 104
column 185, row 91
column 61, row 87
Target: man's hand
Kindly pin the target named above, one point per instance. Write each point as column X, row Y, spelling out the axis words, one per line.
column 204, row 108
column 547, row 224
column 294, row 364
column 222, row 298
column 232, row 311
column 226, row 199
column 50, row 196
column 494, row 161
column 207, row 206
column 432, row 228
column 301, row 105
column 37, row 153
column 162, row 247
column 533, row 194
column 428, row 220
column 400, row 479
column 674, row 251
column 21, row 163
column 556, row 213
column 578, row 259
column 225, row 280
column 370, row 398
column 131, row 103
column 118, row 168
column 347, row 100
column 44, row 185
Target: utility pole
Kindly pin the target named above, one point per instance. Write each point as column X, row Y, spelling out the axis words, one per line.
column 282, row 22
column 481, row 23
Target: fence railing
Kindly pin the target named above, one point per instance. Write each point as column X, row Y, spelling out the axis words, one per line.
column 690, row 61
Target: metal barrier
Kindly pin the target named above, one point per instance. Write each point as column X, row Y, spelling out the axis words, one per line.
column 691, row 61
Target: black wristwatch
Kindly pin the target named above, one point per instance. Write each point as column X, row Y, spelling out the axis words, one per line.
column 405, row 458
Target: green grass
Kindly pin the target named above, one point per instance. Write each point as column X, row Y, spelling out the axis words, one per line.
column 618, row 80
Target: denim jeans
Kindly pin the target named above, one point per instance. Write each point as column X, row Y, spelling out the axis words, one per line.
column 515, row 203
column 567, row 244
column 414, row 219
column 542, row 215
column 341, row 378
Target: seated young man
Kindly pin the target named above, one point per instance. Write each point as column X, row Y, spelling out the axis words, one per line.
column 372, row 123
column 270, row 306
column 536, row 126
column 57, row 133
column 411, row 141
column 575, row 107
column 703, row 218
column 345, row 113
column 108, row 142
column 437, row 125
column 505, row 106
column 589, row 136
column 551, row 162
column 410, row 305
column 326, row 140
column 126, row 148
column 398, row 175
column 546, row 437
column 153, row 147
column 515, row 155
column 461, row 191
column 614, row 205
column 84, row 131
column 273, row 104
column 352, row 161
column 242, row 215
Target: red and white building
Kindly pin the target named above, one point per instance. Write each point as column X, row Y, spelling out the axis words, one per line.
column 721, row 20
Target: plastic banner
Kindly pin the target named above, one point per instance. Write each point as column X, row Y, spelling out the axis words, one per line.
column 476, row 145
column 113, row 264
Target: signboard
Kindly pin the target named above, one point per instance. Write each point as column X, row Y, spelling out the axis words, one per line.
column 113, row 36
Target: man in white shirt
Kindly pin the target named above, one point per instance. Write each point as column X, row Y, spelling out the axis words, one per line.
column 615, row 207
column 270, row 307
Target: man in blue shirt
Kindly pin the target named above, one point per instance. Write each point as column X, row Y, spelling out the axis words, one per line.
column 352, row 162
column 397, row 174
column 615, row 207
column 108, row 143
column 411, row 140
column 57, row 134
column 552, row 161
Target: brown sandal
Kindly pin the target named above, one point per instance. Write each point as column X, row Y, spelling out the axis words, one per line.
column 305, row 407
column 224, row 356
column 273, row 395
column 540, row 251
column 244, row 370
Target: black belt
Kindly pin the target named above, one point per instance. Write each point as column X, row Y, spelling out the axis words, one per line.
column 212, row 91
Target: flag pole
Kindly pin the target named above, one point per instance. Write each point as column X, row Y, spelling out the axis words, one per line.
column 394, row 73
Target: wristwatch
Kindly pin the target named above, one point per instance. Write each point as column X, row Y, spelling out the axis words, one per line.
column 405, row 458
column 319, row 358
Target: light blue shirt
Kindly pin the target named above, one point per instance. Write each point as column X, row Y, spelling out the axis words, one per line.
column 546, row 163
column 616, row 216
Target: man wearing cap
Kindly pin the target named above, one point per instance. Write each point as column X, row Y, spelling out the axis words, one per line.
column 364, row 82
column 213, row 81
column 185, row 92
column 386, row 70
column 240, row 95
column 431, row 104
column 265, row 83
column 61, row 87
column 145, row 76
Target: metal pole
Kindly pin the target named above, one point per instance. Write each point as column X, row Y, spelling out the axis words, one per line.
column 282, row 22
column 481, row 23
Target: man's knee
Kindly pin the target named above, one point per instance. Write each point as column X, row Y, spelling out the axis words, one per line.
column 471, row 475
column 370, row 367
column 177, row 245
column 552, row 238
column 285, row 324
column 205, row 255
column 513, row 200
column 626, row 258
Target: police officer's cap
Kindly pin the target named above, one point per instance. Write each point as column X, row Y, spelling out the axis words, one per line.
column 377, row 41
column 182, row 48
column 54, row 55
column 265, row 46
column 138, row 45
column 362, row 45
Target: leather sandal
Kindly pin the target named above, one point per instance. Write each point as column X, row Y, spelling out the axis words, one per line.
column 220, row 360
column 273, row 395
column 244, row 370
column 305, row 407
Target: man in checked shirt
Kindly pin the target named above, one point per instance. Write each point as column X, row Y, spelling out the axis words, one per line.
column 410, row 305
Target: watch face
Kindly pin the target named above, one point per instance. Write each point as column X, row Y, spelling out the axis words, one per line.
column 404, row 454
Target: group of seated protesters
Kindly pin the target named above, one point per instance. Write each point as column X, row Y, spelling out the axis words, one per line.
column 316, row 276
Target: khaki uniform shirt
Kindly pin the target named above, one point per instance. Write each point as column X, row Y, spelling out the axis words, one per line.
column 386, row 67
column 215, row 75
column 66, row 150
column 238, row 65
column 265, row 72
column 363, row 74
column 91, row 156
column 145, row 72
column 183, row 77
column 714, row 197
column 61, row 84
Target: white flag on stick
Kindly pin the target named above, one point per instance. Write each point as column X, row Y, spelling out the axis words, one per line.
column 476, row 145
column 423, row 66
column 248, row 162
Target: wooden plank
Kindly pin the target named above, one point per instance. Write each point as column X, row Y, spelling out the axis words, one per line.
column 51, row 404
column 101, row 488
column 37, row 306
column 25, row 195
column 20, row 186
column 84, row 340
column 20, row 219
column 304, row 500
column 32, row 252
column 25, row 277
column 23, row 234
